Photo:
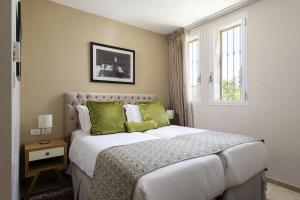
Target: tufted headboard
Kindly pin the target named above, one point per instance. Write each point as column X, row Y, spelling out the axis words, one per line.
column 72, row 99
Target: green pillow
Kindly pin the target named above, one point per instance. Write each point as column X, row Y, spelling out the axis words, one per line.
column 154, row 111
column 140, row 126
column 106, row 117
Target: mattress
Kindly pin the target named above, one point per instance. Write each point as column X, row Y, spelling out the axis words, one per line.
column 238, row 163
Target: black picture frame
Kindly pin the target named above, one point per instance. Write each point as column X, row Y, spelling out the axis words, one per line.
column 104, row 66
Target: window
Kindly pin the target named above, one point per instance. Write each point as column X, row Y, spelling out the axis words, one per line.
column 228, row 72
column 194, row 70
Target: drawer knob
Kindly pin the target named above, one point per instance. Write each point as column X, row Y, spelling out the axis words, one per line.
column 47, row 153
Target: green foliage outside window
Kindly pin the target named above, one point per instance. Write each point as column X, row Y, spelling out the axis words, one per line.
column 230, row 91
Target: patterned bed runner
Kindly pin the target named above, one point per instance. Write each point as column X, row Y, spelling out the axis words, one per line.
column 118, row 168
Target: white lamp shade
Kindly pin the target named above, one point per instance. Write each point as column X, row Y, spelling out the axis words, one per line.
column 170, row 114
column 45, row 121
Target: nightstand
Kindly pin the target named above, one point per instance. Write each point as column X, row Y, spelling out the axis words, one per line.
column 43, row 157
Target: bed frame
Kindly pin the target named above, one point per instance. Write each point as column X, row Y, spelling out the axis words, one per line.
column 254, row 188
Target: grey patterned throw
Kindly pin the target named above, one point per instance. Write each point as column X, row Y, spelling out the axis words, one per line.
column 118, row 168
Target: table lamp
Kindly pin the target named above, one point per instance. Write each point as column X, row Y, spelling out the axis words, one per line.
column 45, row 124
column 170, row 114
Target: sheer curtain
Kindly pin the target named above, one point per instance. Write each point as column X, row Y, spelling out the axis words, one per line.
column 178, row 93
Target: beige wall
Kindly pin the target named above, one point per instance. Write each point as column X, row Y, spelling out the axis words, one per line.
column 56, row 59
column 273, row 112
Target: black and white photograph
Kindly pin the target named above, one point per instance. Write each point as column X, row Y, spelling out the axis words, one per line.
column 112, row 64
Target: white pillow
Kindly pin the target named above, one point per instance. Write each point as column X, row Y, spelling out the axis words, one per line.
column 84, row 118
column 133, row 113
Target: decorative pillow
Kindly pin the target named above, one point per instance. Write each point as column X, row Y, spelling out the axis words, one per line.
column 84, row 118
column 133, row 113
column 106, row 117
column 154, row 111
column 140, row 126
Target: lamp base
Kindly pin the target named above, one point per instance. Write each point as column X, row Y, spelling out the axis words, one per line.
column 45, row 141
column 45, row 136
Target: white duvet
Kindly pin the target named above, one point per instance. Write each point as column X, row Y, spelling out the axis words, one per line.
column 85, row 148
column 189, row 178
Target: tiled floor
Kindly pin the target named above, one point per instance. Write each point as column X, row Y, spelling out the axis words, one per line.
column 275, row 192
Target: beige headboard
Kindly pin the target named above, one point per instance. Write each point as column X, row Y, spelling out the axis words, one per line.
column 72, row 99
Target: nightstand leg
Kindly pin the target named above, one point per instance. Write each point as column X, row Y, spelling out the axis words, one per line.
column 61, row 178
column 32, row 184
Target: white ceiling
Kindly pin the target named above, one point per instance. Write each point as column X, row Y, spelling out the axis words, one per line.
column 162, row 16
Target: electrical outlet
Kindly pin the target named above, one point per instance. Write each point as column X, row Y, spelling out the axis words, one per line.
column 35, row 132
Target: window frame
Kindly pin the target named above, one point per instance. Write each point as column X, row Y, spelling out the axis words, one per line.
column 213, row 64
column 194, row 35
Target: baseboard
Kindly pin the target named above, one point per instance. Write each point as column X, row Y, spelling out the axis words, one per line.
column 283, row 184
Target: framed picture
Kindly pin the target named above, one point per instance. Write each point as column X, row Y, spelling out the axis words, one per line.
column 112, row 64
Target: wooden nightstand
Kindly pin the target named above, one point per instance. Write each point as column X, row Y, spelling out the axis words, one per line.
column 43, row 157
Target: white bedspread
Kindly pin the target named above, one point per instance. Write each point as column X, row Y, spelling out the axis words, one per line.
column 240, row 162
column 244, row 161
column 85, row 148
column 189, row 178
column 194, row 179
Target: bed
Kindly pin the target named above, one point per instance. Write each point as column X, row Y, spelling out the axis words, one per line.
column 235, row 173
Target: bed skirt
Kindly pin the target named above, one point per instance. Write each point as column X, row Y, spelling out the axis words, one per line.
column 254, row 188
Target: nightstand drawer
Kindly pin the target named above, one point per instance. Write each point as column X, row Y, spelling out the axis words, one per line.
column 47, row 153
